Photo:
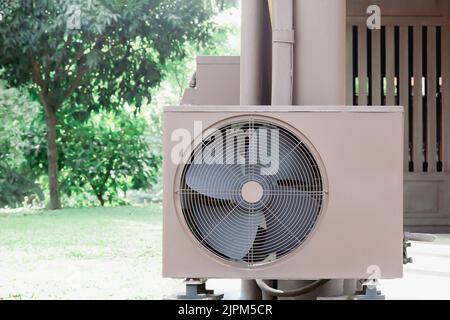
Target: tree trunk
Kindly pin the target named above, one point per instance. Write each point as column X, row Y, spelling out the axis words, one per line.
column 100, row 199
column 52, row 158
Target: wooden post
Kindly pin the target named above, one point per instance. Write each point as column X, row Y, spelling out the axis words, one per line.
column 376, row 68
column 404, row 89
column 418, row 101
column 390, row 66
column 432, row 158
column 350, row 80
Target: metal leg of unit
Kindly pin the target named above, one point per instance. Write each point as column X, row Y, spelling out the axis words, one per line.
column 196, row 290
column 369, row 292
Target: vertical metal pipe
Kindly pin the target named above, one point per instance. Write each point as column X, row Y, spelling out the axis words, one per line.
column 250, row 290
column 319, row 68
column 319, row 78
column 256, row 53
column 255, row 78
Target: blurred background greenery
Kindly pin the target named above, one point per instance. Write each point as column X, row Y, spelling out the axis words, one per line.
column 99, row 86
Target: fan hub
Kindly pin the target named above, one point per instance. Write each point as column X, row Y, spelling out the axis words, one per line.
column 252, row 191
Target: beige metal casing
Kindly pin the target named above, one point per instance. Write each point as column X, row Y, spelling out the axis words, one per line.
column 212, row 89
column 360, row 231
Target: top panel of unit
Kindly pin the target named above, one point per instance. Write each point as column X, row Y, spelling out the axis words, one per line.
column 217, row 60
column 266, row 109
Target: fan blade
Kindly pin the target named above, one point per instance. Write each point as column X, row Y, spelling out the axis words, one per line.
column 289, row 219
column 282, row 157
column 229, row 231
column 219, row 181
column 291, row 163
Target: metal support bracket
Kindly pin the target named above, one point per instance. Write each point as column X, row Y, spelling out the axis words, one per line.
column 406, row 245
column 196, row 290
column 369, row 292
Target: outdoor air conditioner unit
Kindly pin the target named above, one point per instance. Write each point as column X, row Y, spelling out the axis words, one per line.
column 283, row 192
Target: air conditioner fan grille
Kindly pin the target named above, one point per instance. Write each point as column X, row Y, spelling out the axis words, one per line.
column 252, row 192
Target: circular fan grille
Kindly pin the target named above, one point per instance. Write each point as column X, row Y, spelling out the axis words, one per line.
column 252, row 192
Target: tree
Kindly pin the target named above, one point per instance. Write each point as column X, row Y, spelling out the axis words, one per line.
column 93, row 53
column 105, row 154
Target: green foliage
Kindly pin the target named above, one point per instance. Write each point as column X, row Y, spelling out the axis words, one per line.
column 106, row 154
column 93, row 53
column 115, row 56
column 102, row 154
column 17, row 113
column 115, row 61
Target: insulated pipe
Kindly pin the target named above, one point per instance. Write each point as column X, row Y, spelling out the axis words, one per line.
column 282, row 52
column 290, row 293
column 282, row 18
column 265, row 294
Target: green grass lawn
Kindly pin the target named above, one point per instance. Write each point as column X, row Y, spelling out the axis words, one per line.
column 93, row 253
